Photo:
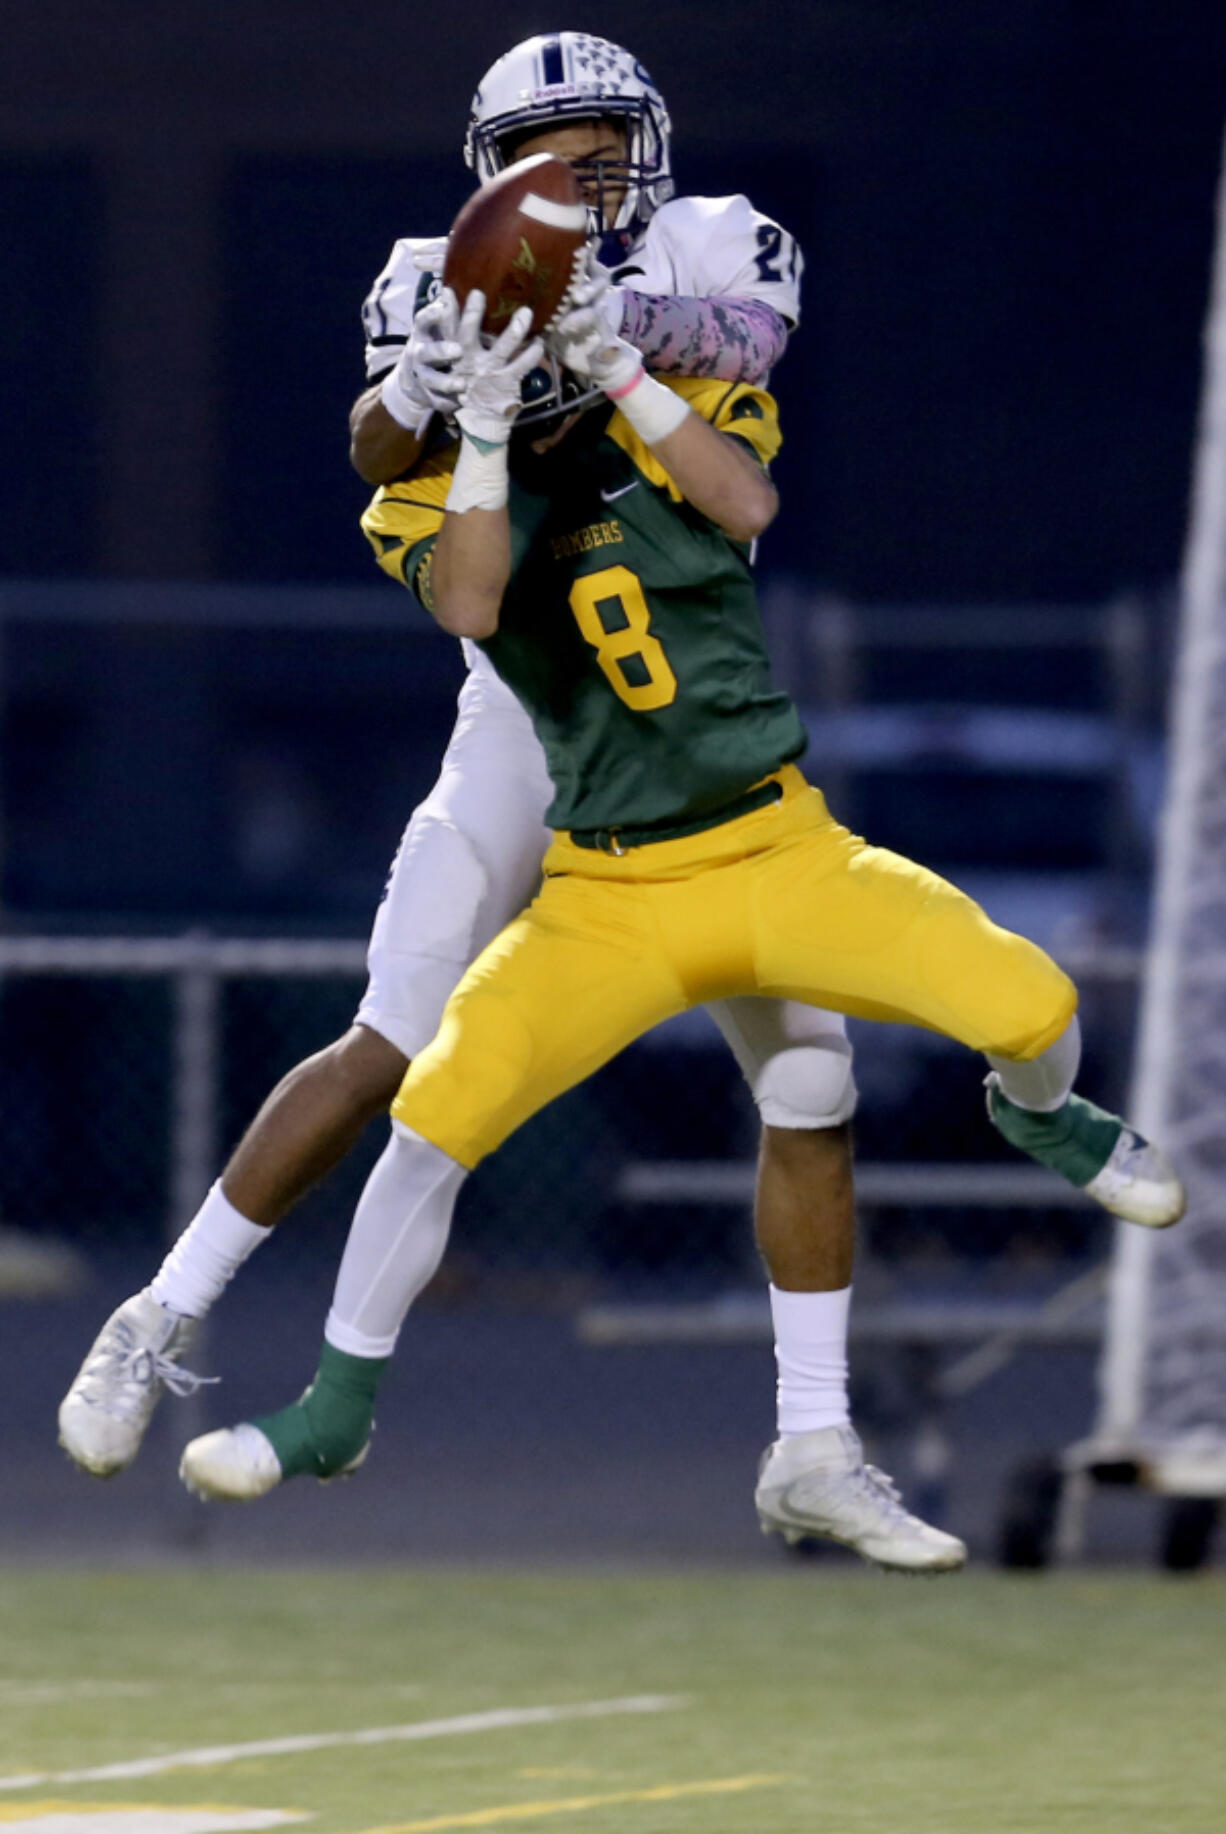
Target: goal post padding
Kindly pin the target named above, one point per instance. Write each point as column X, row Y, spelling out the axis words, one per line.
column 1163, row 1373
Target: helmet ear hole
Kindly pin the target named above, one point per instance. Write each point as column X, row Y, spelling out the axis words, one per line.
column 537, row 386
column 549, row 392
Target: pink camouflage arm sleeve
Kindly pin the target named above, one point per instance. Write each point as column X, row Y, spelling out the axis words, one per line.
column 734, row 340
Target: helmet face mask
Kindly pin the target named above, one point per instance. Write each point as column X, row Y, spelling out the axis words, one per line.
column 550, row 393
column 560, row 79
column 605, row 178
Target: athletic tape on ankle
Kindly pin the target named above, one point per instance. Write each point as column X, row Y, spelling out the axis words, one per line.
column 653, row 410
column 325, row 1431
column 1076, row 1141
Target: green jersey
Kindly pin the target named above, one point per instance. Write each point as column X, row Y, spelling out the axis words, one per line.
column 630, row 628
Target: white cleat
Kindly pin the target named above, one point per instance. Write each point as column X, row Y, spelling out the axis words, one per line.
column 1139, row 1183
column 234, row 1465
column 818, row 1484
column 237, row 1464
column 105, row 1414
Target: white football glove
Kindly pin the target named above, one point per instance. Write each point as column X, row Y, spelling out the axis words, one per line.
column 489, row 397
column 429, row 256
column 587, row 340
column 426, row 381
column 588, row 328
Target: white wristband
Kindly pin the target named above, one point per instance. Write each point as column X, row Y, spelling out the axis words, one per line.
column 653, row 410
column 405, row 411
column 480, row 477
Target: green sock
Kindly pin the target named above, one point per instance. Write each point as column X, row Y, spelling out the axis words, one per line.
column 1075, row 1140
column 326, row 1429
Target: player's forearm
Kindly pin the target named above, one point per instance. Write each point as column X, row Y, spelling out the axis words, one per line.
column 472, row 558
column 380, row 449
column 472, row 564
column 714, row 473
column 733, row 340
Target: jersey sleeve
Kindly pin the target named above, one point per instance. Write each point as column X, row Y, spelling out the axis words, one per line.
column 388, row 309
column 735, row 340
column 699, row 246
column 746, row 412
column 749, row 414
column 404, row 519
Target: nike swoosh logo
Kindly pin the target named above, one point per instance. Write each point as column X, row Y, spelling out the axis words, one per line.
column 611, row 496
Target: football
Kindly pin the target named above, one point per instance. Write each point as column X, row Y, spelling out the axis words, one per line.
column 520, row 239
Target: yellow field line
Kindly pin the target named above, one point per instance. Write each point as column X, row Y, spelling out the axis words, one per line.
column 528, row 1811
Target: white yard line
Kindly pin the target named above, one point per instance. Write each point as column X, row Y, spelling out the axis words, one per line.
column 61, row 1818
column 53, row 1693
column 208, row 1756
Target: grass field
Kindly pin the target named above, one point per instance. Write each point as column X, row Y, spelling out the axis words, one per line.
column 810, row 1699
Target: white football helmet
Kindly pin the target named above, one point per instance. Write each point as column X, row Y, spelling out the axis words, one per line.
column 560, row 77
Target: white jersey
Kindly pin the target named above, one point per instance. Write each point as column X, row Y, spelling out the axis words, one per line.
column 699, row 247
column 693, row 247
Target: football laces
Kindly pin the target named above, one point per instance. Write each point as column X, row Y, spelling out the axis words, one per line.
column 578, row 273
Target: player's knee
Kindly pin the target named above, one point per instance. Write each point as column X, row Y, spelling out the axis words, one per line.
column 807, row 1085
column 367, row 1068
column 466, row 1091
column 1049, row 1016
column 810, row 1152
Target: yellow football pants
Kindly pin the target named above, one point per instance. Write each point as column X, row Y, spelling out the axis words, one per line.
column 783, row 901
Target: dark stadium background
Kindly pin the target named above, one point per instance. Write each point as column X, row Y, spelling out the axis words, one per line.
column 216, row 718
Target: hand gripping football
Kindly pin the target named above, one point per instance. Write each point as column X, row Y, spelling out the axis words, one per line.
column 520, row 239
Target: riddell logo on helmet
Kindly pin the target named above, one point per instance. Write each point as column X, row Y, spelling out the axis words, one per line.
column 559, row 92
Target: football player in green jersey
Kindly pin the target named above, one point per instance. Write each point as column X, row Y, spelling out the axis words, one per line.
column 604, row 567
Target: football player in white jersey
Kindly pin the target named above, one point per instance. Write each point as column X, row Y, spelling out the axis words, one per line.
column 702, row 286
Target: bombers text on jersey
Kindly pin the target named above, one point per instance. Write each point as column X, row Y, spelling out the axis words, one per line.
column 630, row 627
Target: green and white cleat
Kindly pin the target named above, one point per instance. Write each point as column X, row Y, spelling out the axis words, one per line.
column 1139, row 1183
column 1098, row 1152
column 238, row 1464
column 106, row 1413
column 324, row 1434
column 818, row 1484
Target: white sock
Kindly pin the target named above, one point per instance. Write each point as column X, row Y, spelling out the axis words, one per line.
column 1045, row 1083
column 395, row 1244
column 206, row 1256
column 811, row 1356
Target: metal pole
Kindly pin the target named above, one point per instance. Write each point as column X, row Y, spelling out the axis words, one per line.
column 195, row 1059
